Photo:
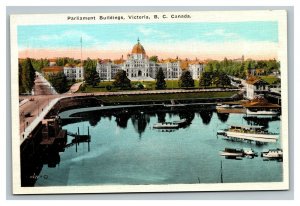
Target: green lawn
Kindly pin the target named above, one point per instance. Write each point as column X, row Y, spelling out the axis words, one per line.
column 149, row 85
column 156, row 97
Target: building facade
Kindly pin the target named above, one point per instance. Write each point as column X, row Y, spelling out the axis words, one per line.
column 255, row 86
column 138, row 66
column 74, row 72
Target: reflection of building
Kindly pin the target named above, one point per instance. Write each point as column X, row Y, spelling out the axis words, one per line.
column 138, row 66
column 73, row 71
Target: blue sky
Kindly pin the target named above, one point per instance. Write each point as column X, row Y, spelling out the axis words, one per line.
column 154, row 37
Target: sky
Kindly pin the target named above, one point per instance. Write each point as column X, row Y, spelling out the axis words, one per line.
column 256, row 40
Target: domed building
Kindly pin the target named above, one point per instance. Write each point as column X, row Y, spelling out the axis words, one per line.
column 138, row 67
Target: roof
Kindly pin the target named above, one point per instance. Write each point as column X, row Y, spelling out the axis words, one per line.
column 119, row 61
column 169, row 60
column 54, row 69
column 52, row 60
column 104, row 61
column 260, row 103
column 138, row 49
column 255, row 80
column 184, row 64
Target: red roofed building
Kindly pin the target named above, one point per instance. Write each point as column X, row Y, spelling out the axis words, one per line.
column 255, row 85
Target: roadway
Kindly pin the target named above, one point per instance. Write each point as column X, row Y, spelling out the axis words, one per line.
column 43, row 94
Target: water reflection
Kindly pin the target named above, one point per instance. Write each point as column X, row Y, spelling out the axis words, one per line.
column 122, row 119
column 139, row 122
column 206, row 116
column 94, row 119
column 161, row 117
column 223, row 117
column 113, row 158
column 261, row 121
column 188, row 115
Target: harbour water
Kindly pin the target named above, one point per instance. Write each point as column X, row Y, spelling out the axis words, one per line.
column 125, row 149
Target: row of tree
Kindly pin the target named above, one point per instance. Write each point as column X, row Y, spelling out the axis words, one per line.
column 39, row 64
column 26, row 76
column 62, row 61
column 240, row 69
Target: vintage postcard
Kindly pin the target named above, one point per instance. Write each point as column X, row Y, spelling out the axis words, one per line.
column 149, row 102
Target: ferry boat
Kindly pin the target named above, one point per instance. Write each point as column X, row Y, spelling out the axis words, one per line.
column 251, row 133
column 272, row 154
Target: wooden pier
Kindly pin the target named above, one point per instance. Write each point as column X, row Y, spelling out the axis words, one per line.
column 78, row 138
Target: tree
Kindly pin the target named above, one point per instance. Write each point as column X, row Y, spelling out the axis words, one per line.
column 27, row 75
column 153, row 58
column 91, row 76
column 205, row 79
column 224, row 80
column 186, row 79
column 21, row 88
column 160, row 80
column 59, row 82
column 121, row 80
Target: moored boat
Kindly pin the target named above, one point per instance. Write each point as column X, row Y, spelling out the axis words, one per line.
column 252, row 133
column 166, row 125
column 233, row 108
column 262, row 113
column 272, row 154
column 233, row 152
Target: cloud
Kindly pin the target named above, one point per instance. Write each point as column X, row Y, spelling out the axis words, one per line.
column 66, row 35
column 222, row 33
column 153, row 32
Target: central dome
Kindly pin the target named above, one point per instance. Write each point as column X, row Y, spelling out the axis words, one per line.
column 138, row 49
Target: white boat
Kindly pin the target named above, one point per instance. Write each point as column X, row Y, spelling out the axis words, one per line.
column 249, row 152
column 166, row 125
column 252, row 133
column 180, row 122
column 272, row 153
column 226, row 108
column 229, row 152
column 170, row 125
column 223, row 106
column 261, row 113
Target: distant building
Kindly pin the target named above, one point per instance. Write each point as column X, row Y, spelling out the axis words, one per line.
column 46, row 71
column 74, row 71
column 196, row 68
column 242, row 59
column 52, row 62
column 138, row 66
column 254, row 86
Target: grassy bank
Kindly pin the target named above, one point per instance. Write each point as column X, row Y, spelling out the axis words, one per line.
column 148, row 85
column 157, row 97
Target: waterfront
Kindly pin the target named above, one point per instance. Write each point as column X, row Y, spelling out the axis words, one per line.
column 125, row 149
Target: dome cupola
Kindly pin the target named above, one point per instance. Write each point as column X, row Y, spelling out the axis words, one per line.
column 138, row 48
